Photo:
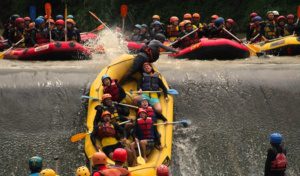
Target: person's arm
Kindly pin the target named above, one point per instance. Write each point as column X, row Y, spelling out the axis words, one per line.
column 122, row 93
column 167, row 48
column 160, row 116
column 163, row 87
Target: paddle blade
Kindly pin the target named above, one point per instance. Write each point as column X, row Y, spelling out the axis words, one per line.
column 186, row 123
column 78, row 137
column 141, row 160
column 94, row 15
column 48, row 10
column 173, row 92
column 88, row 97
column 124, row 10
column 298, row 11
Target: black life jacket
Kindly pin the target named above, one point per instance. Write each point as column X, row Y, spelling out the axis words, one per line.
column 150, row 82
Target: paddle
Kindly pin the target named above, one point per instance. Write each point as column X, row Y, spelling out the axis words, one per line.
column 14, row 45
column 48, row 10
column 140, row 159
column 66, row 14
column 79, row 136
column 97, row 18
column 124, row 10
column 184, row 122
column 97, row 99
column 298, row 15
column 183, row 37
column 170, row 91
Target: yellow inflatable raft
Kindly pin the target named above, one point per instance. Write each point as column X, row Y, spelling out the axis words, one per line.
column 116, row 70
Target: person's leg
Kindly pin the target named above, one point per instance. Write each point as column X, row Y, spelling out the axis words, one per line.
column 132, row 147
column 157, row 107
column 143, row 144
column 130, row 157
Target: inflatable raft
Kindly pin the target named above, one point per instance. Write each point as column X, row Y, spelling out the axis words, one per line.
column 207, row 49
column 86, row 36
column 117, row 70
column 51, row 51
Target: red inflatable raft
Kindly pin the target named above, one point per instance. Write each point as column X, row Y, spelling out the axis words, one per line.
column 207, row 49
column 51, row 51
column 85, row 36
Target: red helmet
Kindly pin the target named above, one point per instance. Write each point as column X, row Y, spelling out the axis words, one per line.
column 196, row 15
column 19, row 20
column 173, row 19
column 60, row 22
column 27, row 18
column 120, row 155
column 253, row 14
column 231, row 21
column 162, row 170
column 281, row 18
column 141, row 110
column 187, row 16
column 214, row 17
column 99, row 158
column 290, row 16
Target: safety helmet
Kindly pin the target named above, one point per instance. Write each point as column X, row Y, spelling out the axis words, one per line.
column 182, row 23
column 138, row 26
column 70, row 17
column 99, row 158
column 157, row 23
column 27, row 18
column 50, row 21
column 281, row 18
column 31, row 25
column 14, row 17
column 105, row 76
column 196, row 15
column 257, row 18
column 41, row 17
column 253, row 14
column 214, row 17
column 219, row 21
column 60, row 22
column 270, row 12
column 156, row 17
column 162, row 170
column 187, row 16
column 48, row 172
column 276, row 13
column 276, row 138
column 19, row 20
column 120, row 155
column 106, row 96
column 186, row 22
column 231, row 21
column 39, row 21
column 59, row 17
column 290, row 16
column 141, row 110
column 160, row 37
column 83, row 171
column 35, row 163
column 69, row 20
column 105, row 113
column 144, row 25
column 173, row 19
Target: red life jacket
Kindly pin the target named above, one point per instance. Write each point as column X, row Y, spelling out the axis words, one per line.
column 280, row 162
column 190, row 40
column 172, row 31
column 150, row 111
column 146, row 127
column 106, row 130
column 40, row 38
column 113, row 90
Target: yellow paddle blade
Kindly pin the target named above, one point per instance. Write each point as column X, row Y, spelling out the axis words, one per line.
column 78, row 137
column 141, row 160
column 1, row 55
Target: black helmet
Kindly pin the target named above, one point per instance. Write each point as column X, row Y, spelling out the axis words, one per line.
column 160, row 37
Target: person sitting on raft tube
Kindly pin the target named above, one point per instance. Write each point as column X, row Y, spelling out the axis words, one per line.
column 162, row 170
column 35, row 165
column 145, row 36
column 255, row 32
column 276, row 161
column 112, row 87
column 17, row 33
column 270, row 27
column 281, row 21
column 190, row 39
column 148, row 53
column 109, row 133
column 289, row 27
column 59, row 31
column 151, row 81
column 73, row 34
column 157, row 29
column 146, row 134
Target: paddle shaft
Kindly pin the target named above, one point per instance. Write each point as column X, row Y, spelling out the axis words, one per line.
column 66, row 13
column 183, row 37
column 138, row 146
column 97, row 18
column 169, row 123
column 14, row 45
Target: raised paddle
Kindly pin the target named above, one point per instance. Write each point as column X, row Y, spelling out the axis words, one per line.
column 183, row 37
column 66, row 14
column 14, row 45
column 185, row 123
column 140, row 159
column 298, row 15
column 48, row 11
column 170, row 91
column 97, row 99
column 123, row 10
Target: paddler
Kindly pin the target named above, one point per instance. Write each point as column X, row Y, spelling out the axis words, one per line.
column 146, row 134
column 59, row 31
column 281, row 21
column 136, row 36
column 162, row 170
column 255, row 32
column 154, row 19
column 276, row 161
column 50, row 24
column 157, row 29
column 99, row 163
column 38, row 35
column 198, row 24
column 190, row 39
column 270, row 27
column 289, row 27
column 111, row 136
column 181, row 28
column 83, row 171
column 112, row 87
column 229, row 26
column 120, row 158
column 211, row 26
column 145, row 36
column 18, row 32
column 187, row 16
column 173, row 29
column 73, row 33
column 10, row 25
column 27, row 22
column 148, row 53
column 143, row 103
column 35, row 165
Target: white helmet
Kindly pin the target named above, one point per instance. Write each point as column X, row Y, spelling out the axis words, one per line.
column 275, row 12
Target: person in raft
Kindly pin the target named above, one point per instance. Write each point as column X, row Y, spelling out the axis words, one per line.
column 120, row 158
column 148, row 53
column 148, row 136
column 112, row 87
column 143, row 103
column 35, row 165
column 276, row 161
column 162, row 170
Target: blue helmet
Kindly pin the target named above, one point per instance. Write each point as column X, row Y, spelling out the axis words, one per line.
column 276, row 138
column 41, row 17
column 104, row 77
column 70, row 17
column 39, row 21
column 219, row 21
column 157, row 23
column 59, row 17
column 35, row 164
column 257, row 18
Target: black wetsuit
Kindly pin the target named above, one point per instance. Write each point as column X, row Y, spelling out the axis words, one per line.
column 271, row 156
